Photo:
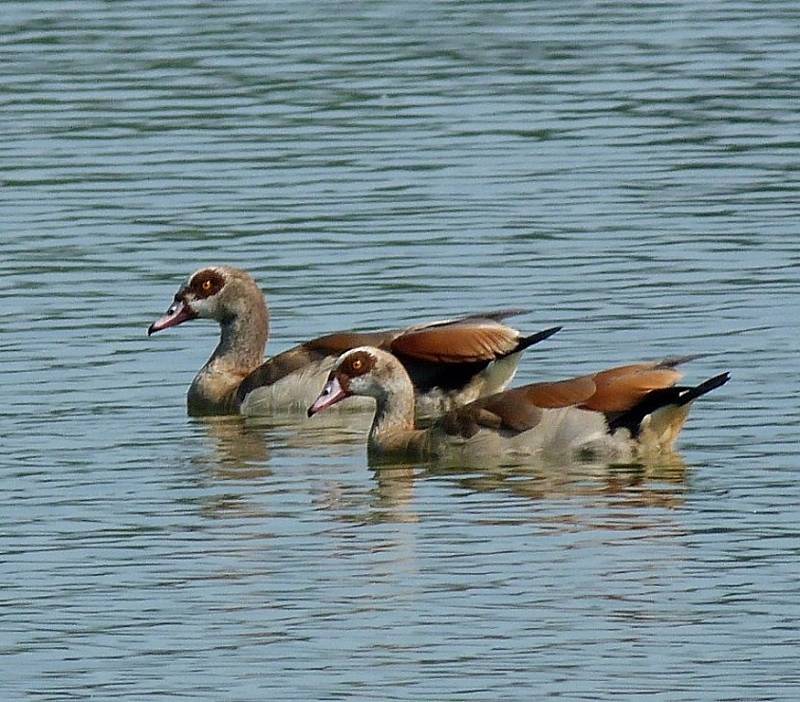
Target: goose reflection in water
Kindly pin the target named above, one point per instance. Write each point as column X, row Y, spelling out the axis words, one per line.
column 243, row 449
column 243, row 444
column 657, row 482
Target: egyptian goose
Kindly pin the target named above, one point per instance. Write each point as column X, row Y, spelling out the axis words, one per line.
column 449, row 362
column 620, row 412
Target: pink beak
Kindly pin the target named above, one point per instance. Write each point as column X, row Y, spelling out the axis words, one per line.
column 178, row 313
column 330, row 395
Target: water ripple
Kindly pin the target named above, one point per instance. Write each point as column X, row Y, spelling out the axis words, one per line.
column 627, row 170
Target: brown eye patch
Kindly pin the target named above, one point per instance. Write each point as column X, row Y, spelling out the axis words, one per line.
column 358, row 363
column 206, row 283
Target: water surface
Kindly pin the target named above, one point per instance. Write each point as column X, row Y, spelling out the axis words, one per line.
column 627, row 170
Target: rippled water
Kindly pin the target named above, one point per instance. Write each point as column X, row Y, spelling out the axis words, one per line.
column 628, row 170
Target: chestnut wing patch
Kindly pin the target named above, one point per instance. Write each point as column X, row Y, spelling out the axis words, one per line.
column 519, row 409
column 620, row 389
column 462, row 341
column 561, row 393
column 478, row 337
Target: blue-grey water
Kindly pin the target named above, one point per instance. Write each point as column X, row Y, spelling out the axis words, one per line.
column 626, row 169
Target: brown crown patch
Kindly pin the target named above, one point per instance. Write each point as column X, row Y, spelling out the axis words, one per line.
column 357, row 363
column 206, row 283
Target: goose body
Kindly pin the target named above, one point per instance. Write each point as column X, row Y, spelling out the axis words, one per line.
column 448, row 362
column 619, row 412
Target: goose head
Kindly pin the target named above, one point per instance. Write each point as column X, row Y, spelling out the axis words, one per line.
column 221, row 293
column 363, row 371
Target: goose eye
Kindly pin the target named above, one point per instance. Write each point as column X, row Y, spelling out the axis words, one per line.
column 358, row 364
column 207, row 285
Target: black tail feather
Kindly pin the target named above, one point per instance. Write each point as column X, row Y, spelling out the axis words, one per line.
column 656, row 399
column 704, row 387
column 527, row 341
